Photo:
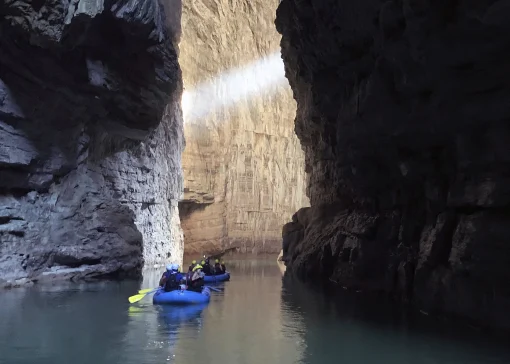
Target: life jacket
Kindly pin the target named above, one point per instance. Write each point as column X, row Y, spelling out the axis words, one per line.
column 223, row 268
column 217, row 268
column 172, row 282
column 207, row 269
column 190, row 268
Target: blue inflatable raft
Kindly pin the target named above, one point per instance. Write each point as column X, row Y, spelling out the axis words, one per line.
column 217, row 278
column 179, row 297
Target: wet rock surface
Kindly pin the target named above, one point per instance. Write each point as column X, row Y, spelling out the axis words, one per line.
column 90, row 138
column 403, row 114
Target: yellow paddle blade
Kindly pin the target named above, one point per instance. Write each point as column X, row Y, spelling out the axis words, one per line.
column 145, row 290
column 136, row 297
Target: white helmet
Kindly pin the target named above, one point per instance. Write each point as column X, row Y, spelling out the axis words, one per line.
column 175, row 267
column 169, row 267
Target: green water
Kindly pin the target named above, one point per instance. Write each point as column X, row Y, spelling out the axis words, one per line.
column 256, row 318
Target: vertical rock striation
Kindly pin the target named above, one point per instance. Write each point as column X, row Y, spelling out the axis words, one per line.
column 403, row 114
column 90, row 138
column 243, row 165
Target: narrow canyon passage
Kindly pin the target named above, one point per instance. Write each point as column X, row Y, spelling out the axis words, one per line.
column 369, row 140
column 243, row 165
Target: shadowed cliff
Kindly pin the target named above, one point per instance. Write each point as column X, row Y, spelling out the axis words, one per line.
column 403, row 115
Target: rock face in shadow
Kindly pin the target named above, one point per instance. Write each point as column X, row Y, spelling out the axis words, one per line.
column 403, row 114
column 243, row 164
column 90, row 138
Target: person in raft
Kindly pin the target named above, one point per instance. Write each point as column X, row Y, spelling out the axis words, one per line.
column 197, row 279
column 217, row 267
column 206, row 267
column 192, row 265
column 171, row 279
column 223, row 267
column 189, row 274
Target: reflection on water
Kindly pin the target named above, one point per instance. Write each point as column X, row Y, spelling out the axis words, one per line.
column 154, row 331
column 244, row 323
column 64, row 324
column 252, row 319
column 350, row 328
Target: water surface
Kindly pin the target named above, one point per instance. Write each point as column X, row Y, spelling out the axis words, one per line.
column 254, row 319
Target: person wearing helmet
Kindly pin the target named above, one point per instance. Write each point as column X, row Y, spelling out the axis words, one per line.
column 206, row 268
column 192, row 265
column 217, row 267
column 197, row 279
column 223, row 267
column 189, row 273
column 171, row 279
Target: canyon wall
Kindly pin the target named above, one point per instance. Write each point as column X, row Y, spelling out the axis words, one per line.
column 90, row 138
column 243, row 165
column 403, row 114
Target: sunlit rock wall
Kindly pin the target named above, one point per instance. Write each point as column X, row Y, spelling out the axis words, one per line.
column 243, row 165
column 90, row 138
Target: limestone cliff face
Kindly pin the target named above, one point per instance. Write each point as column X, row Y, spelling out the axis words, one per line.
column 403, row 113
column 243, row 165
column 90, row 138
